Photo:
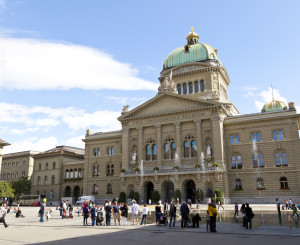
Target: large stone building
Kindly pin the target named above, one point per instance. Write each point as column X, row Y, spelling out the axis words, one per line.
column 2, row 144
column 16, row 165
column 197, row 139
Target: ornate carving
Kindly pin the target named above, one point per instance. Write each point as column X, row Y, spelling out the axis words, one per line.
column 214, row 76
column 198, row 122
column 167, row 85
column 157, row 126
column 177, row 124
column 125, row 108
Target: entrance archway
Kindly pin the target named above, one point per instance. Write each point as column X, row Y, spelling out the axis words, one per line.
column 191, row 191
column 148, row 189
column 130, row 191
column 68, row 191
column 76, row 192
column 168, row 191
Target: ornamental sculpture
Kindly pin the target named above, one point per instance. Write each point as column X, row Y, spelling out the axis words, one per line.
column 167, row 85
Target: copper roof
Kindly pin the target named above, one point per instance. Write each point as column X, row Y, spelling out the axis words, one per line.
column 63, row 149
column 3, row 142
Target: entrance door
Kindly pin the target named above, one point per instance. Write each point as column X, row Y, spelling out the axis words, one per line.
column 191, row 191
column 169, row 188
column 149, row 188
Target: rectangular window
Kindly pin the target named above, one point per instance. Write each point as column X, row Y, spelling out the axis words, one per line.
column 234, row 139
column 278, row 135
column 256, row 137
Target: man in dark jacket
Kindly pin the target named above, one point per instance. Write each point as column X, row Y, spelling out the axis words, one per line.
column 172, row 214
column 184, row 210
column 249, row 216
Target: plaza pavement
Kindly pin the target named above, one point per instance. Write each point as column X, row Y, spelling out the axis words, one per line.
column 29, row 230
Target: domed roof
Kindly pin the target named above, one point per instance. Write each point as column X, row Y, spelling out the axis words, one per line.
column 274, row 105
column 196, row 52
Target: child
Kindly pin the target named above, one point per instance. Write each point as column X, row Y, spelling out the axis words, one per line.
column 294, row 210
column 207, row 219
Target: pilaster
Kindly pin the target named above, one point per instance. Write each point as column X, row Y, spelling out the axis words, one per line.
column 140, row 145
column 199, row 139
column 159, row 147
column 125, row 148
column 178, row 141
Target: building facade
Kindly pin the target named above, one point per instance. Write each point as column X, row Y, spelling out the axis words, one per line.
column 58, row 173
column 190, row 137
column 2, row 144
column 16, row 165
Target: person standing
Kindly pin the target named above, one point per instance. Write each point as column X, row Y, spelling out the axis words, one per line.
column 172, row 214
column 166, row 208
column 64, row 210
column 278, row 206
column 108, row 211
column 135, row 212
column 93, row 214
column 290, row 203
column 243, row 212
column 212, row 211
column 86, row 214
column 116, row 213
column 42, row 211
column 3, row 213
column 158, row 213
column 236, row 210
column 144, row 214
column 249, row 216
column 184, row 210
column 124, row 213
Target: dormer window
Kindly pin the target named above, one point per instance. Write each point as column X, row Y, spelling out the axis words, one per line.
column 186, row 48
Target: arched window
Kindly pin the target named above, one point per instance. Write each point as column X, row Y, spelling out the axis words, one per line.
column 255, row 137
column 179, row 88
column 53, row 180
column 196, row 87
column 236, row 162
column 110, row 169
column 173, row 150
column 95, row 189
column 190, row 87
column 284, row 183
column 23, row 173
column 98, row 152
column 75, row 173
column 184, row 88
column 260, row 184
column 170, row 148
column 238, row 184
column 39, row 180
column 12, row 175
column 151, row 150
column 53, row 165
column 110, row 151
column 16, row 175
column 189, row 147
column 98, row 170
column 154, row 152
column 71, row 174
column 167, row 150
column 67, row 174
column 281, row 159
column 258, row 160
column 109, row 188
column 202, row 86
column 47, row 166
column 79, row 173
column 40, row 166
column 46, row 180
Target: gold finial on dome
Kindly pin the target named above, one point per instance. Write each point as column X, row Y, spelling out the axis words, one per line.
column 272, row 92
column 192, row 37
column 192, row 28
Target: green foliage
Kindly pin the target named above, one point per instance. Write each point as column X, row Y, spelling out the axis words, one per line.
column 136, row 196
column 199, row 196
column 6, row 190
column 219, row 195
column 177, row 194
column 122, row 197
column 74, row 179
column 216, row 164
column 123, row 170
column 21, row 186
column 197, row 165
column 176, row 167
column 156, row 168
column 113, row 200
column 155, row 196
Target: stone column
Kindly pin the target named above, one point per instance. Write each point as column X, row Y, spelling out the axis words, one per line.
column 218, row 144
column 158, row 143
column 125, row 148
column 140, row 145
column 178, row 141
column 199, row 139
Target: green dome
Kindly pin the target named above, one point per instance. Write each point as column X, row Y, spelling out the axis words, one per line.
column 274, row 105
column 196, row 52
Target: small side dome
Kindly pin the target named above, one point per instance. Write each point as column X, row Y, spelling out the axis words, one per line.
column 274, row 105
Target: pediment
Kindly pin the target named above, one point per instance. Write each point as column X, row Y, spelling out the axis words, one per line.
column 166, row 103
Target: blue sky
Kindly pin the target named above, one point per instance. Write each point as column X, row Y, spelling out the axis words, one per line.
column 66, row 66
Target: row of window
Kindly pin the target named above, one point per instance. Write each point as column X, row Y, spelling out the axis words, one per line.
column 260, row 183
column 189, row 149
column 110, row 170
column 13, row 164
column 12, row 175
column 110, row 151
column 191, row 87
column 258, row 160
column 46, row 182
column 47, row 166
column 70, row 174
column 277, row 135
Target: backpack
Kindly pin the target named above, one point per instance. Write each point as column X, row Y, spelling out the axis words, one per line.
column 85, row 209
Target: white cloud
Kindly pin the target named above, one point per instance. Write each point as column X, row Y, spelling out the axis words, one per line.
column 31, row 144
column 32, row 64
column 75, row 141
column 266, row 96
column 126, row 100
column 42, row 117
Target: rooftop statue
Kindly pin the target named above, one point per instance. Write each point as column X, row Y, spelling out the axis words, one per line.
column 167, row 85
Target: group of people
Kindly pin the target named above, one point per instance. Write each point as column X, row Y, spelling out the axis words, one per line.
column 65, row 210
column 288, row 205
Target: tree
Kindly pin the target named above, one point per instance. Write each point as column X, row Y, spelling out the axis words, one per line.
column 199, row 196
column 122, row 197
column 155, row 196
column 6, row 190
column 21, row 186
column 177, row 194
column 136, row 196
column 219, row 195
